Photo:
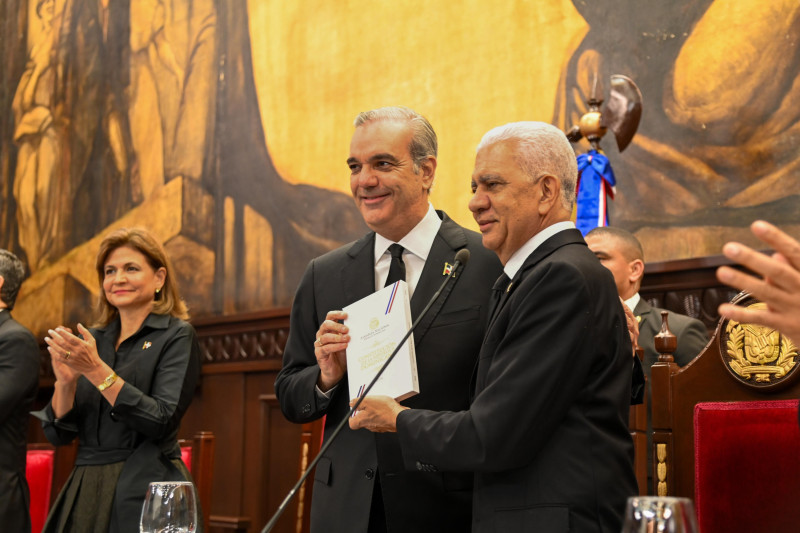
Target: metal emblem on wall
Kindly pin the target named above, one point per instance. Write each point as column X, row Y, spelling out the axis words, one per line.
column 757, row 356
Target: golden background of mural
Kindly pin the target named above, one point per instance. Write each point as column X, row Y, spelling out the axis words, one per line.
column 466, row 66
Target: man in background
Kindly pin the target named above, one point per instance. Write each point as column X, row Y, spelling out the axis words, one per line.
column 19, row 379
column 620, row 252
column 546, row 433
column 360, row 483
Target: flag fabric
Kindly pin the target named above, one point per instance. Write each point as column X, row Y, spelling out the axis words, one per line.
column 596, row 183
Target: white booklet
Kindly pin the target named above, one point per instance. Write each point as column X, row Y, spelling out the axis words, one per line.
column 377, row 324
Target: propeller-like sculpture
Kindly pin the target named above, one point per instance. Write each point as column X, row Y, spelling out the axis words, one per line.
column 621, row 114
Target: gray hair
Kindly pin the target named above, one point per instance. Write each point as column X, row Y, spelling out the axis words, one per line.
column 423, row 141
column 541, row 149
column 13, row 272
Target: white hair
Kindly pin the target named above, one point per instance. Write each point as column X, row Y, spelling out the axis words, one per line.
column 541, row 149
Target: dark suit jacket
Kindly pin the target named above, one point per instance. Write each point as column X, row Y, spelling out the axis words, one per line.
column 447, row 351
column 692, row 334
column 547, row 431
column 19, row 379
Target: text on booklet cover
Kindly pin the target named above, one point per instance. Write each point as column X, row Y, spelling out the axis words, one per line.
column 377, row 324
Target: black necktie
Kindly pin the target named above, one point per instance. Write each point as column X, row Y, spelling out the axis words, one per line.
column 498, row 289
column 397, row 269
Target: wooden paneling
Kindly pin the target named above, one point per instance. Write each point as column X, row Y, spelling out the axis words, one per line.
column 257, row 449
column 688, row 286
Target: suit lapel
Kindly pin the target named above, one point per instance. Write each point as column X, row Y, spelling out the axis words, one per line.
column 649, row 320
column 358, row 273
column 562, row 238
column 449, row 239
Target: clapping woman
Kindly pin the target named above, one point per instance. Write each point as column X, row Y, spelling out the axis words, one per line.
column 122, row 388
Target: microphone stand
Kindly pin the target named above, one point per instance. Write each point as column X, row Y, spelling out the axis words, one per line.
column 459, row 261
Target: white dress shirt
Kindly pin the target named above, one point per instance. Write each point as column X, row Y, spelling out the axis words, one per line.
column 417, row 244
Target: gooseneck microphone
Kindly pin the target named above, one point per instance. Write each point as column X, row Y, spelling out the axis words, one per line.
column 461, row 259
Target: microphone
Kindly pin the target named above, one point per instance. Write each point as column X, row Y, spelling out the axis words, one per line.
column 461, row 259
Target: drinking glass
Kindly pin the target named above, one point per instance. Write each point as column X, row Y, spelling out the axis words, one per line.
column 169, row 507
column 659, row 514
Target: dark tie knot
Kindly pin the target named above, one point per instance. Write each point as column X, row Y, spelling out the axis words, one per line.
column 397, row 269
column 498, row 289
column 396, row 250
column 502, row 283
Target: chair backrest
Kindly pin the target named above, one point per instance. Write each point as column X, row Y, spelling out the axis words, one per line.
column 39, row 474
column 198, row 455
column 742, row 362
column 747, row 466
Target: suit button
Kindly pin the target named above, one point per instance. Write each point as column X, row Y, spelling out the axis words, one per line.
column 369, row 474
column 306, row 408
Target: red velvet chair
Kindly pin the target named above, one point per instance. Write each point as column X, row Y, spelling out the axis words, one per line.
column 39, row 473
column 747, row 466
column 727, row 458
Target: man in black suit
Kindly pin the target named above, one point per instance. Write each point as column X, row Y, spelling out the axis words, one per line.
column 546, row 433
column 360, row 482
column 19, row 379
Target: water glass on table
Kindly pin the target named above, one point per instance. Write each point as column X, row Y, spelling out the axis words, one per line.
column 659, row 514
column 169, row 507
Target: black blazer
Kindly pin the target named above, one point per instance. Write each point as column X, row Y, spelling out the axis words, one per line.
column 447, row 350
column 19, row 379
column 547, row 432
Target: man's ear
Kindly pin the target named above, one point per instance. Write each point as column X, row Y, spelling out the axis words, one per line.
column 637, row 270
column 427, row 169
column 551, row 193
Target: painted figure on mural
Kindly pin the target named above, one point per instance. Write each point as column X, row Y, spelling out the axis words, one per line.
column 39, row 143
column 719, row 135
column 119, row 99
column 172, row 90
column 71, row 175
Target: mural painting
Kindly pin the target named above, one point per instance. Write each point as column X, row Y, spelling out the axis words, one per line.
column 117, row 121
column 223, row 125
column 719, row 141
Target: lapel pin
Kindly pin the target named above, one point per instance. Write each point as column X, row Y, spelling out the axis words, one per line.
column 509, row 286
column 448, row 269
column 146, row 345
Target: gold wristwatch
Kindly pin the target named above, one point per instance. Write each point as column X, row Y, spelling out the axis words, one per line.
column 108, row 381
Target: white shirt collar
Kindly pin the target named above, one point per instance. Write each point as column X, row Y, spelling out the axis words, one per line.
column 418, row 241
column 633, row 301
column 518, row 258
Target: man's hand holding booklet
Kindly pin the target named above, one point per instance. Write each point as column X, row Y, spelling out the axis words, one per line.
column 377, row 324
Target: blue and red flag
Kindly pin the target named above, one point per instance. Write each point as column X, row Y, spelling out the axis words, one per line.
column 596, row 183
